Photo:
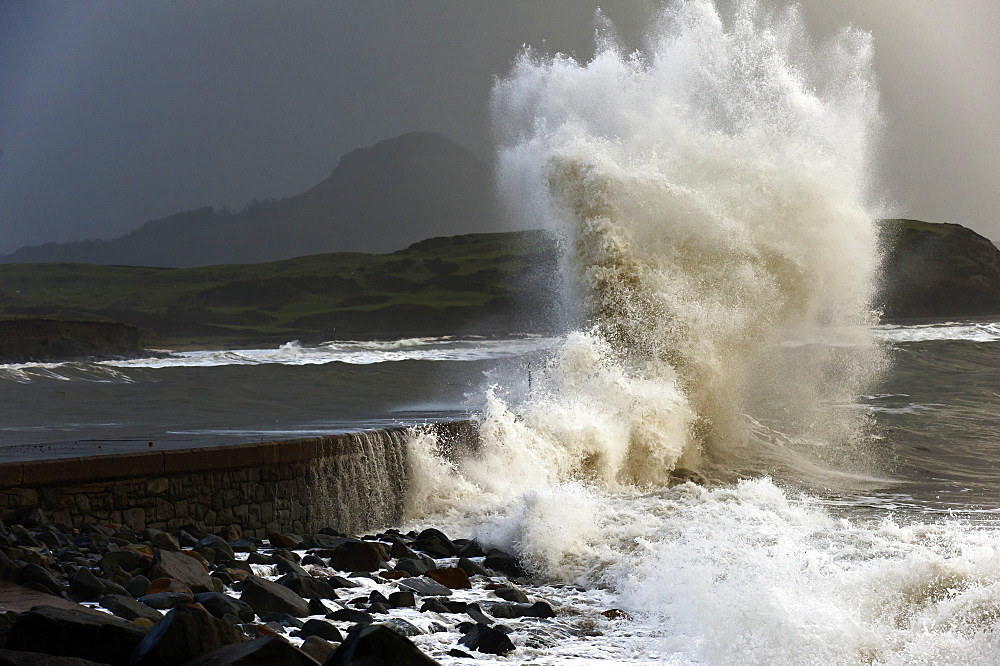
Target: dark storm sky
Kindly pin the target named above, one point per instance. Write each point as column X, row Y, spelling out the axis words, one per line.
column 112, row 114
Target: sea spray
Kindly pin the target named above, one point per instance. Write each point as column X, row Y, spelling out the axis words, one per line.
column 714, row 194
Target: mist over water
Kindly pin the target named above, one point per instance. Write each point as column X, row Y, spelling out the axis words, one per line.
column 715, row 195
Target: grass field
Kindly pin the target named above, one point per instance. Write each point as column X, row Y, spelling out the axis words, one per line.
column 478, row 283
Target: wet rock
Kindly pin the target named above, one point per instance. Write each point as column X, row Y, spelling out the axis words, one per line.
column 402, row 627
column 510, row 610
column 321, row 628
column 472, row 568
column 402, row 599
column 378, row 608
column 455, row 652
column 266, row 596
column 341, row 582
column 75, row 633
column 314, row 560
column 165, row 600
column 129, row 560
column 434, row 543
column 180, row 567
column 477, row 615
column 85, row 585
column 317, row 607
column 223, row 551
column 376, row 644
column 434, row 605
column 393, row 575
column 424, row 586
column 416, row 567
column 484, row 639
column 33, row 573
column 183, row 634
column 506, row 564
column 616, row 614
column 309, row 587
column 138, row 586
column 317, row 648
column 128, row 608
column 283, row 620
column 282, row 540
column 287, row 567
column 469, row 548
column 263, row 651
column 351, row 615
column 221, row 604
column 511, row 594
column 243, row 546
column 357, row 556
column 168, row 585
column 451, row 577
column 399, row 550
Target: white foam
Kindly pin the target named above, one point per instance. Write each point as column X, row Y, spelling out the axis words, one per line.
column 359, row 352
column 963, row 331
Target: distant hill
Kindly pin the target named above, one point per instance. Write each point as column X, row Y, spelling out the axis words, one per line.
column 377, row 199
column 486, row 284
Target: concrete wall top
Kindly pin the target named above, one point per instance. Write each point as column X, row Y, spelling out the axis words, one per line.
column 93, row 469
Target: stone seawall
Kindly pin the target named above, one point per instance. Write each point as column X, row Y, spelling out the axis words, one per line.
column 349, row 482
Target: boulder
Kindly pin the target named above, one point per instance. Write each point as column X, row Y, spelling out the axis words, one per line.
column 182, row 568
column 264, row 651
column 185, row 633
column 402, row 599
column 377, row 644
column 165, row 600
column 321, row 628
column 266, row 596
column 505, row 563
column 511, row 594
column 129, row 560
column 309, row 587
column 434, row 543
column 402, row 627
column 75, row 633
column 317, row 648
column 223, row 551
column 221, row 604
column 451, row 577
column 85, row 585
column 357, row 556
column 351, row 615
column 424, row 586
column 128, row 608
column 484, row 639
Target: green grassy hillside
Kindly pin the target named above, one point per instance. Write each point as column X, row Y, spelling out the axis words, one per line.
column 476, row 283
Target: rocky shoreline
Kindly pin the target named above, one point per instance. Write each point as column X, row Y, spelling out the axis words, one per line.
column 106, row 594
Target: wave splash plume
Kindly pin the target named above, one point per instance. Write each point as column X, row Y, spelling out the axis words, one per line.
column 715, row 196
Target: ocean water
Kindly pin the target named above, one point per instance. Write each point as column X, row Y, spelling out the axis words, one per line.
column 724, row 443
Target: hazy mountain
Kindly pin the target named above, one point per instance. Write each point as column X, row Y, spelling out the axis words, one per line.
column 378, row 199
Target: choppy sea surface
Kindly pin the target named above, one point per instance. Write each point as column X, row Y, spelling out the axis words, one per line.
column 901, row 567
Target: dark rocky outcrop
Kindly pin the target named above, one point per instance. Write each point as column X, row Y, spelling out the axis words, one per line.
column 937, row 271
column 24, row 340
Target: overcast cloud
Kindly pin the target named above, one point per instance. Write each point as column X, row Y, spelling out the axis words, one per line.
column 112, row 114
